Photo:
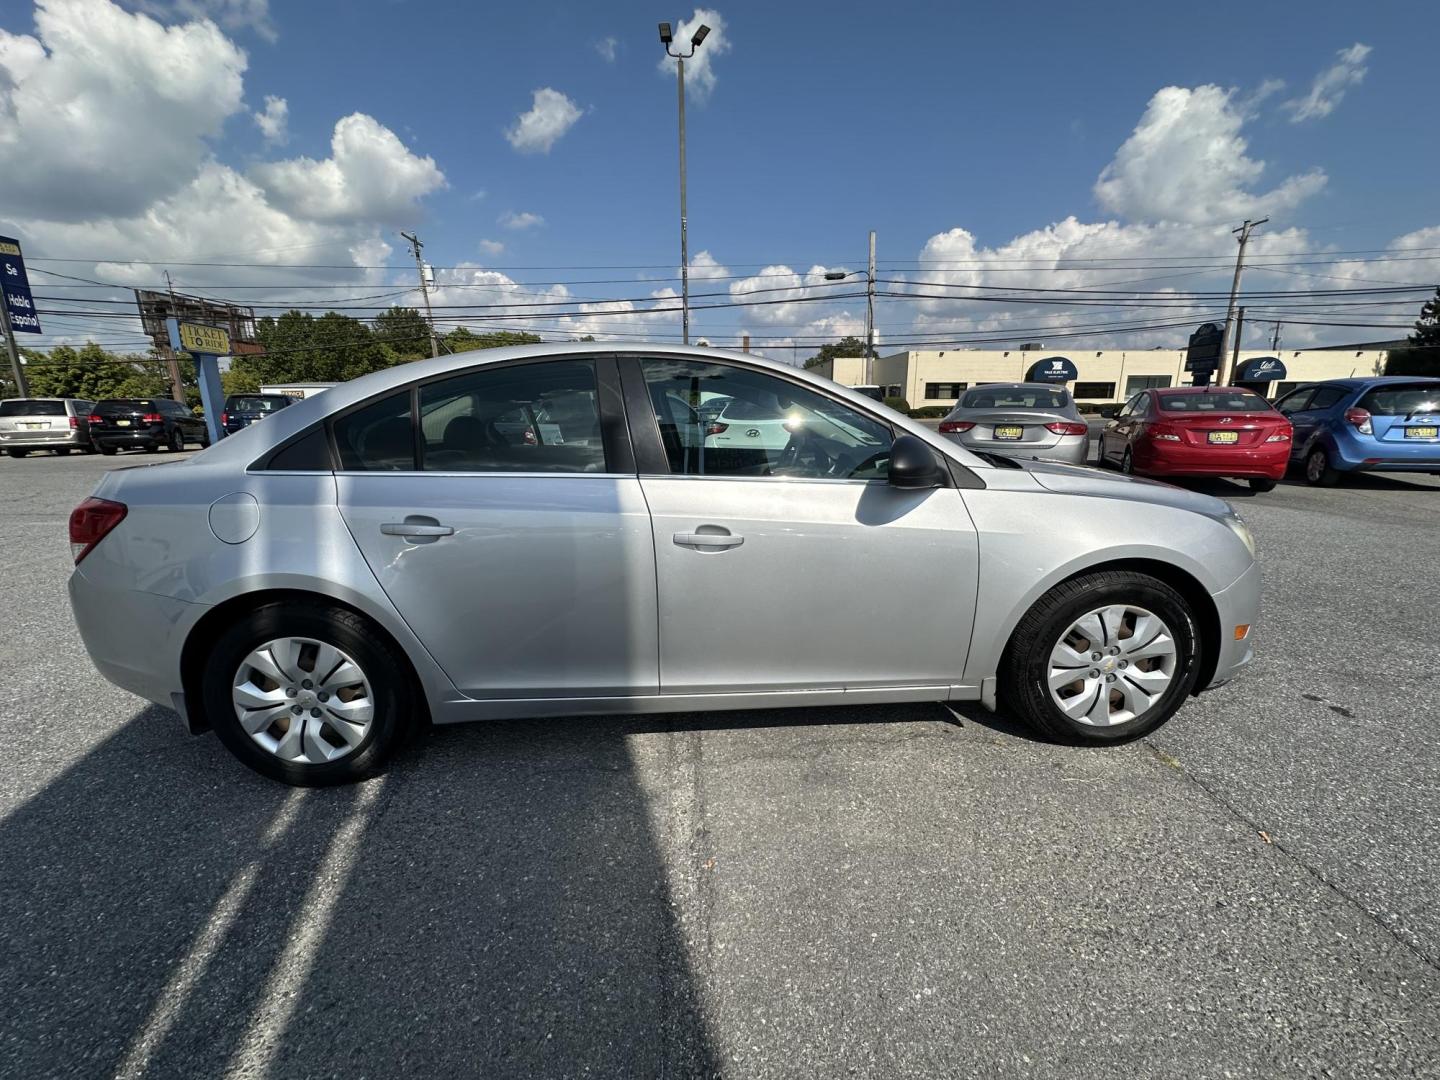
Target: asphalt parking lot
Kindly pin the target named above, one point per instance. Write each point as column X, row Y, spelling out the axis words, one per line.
column 882, row 892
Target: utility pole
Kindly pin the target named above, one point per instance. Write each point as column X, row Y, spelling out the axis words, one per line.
column 1243, row 232
column 870, row 314
column 665, row 39
column 1275, row 340
column 177, row 386
column 415, row 246
column 16, row 368
column 1239, row 333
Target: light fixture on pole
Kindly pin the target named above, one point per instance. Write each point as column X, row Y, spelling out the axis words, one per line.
column 667, row 39
column 841, row 275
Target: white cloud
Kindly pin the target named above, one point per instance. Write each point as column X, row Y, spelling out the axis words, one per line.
column 370, row 176
column 608, row 48
column 550, row 116
column 492, row 247
column 274, row 120
column 1329, row 87
column 704, row 266
column 782, row 296
column 1185, row 162
column 523, row 220
column 230, row 14
column 699, row 70
column 99, row 86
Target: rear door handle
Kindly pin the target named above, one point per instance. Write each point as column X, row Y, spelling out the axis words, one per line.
column 410, row 527
column 710, row 540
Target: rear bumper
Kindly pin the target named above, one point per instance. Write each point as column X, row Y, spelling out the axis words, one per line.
column 134, row 638
column 1070, row 449
column 43, row 440
column 122, row 439
column 1238, row 605
column 1269, row 463
column 1356, row 453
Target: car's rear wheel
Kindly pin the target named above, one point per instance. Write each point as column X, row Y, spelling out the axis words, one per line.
column 308, row 695
column 62, row 451
column 1101, row 658
column 1261, row 484
column 16, row 453
column 107, row 450
column 1318, row 470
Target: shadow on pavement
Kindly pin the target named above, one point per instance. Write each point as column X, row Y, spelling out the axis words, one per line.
column 497, row 905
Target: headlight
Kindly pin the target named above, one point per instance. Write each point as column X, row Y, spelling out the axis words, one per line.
column 1240, row 529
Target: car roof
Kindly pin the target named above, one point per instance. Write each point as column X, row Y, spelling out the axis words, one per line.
column 1017, row 386
column 1202, row 390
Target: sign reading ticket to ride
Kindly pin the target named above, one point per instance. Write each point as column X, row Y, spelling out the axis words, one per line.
column 209, row 340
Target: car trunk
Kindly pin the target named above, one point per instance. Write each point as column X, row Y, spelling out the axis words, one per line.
column 1219, row 430
column 125, row 416
column 36, row 420
column 1404, row 412
column 1013, row 427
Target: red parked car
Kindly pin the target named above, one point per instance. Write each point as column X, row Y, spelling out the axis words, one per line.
column 1199, row 431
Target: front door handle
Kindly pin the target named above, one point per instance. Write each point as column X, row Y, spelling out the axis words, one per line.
column 707, row 540
column 416, row 526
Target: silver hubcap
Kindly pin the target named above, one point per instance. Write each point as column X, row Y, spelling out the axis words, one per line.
column 1112, row 665
column 304, row 701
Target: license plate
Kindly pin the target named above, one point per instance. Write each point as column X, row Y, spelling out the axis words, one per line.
column 1422, row 432
column 122, row 423
column 1009, row 432
column 36, row 427
column 1224, row 438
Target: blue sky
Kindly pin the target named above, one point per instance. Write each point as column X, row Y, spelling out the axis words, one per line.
column 808, row 124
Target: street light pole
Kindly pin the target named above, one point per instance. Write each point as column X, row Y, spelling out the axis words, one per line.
column 1243, row 232
column 840, row 275
column 667, row 38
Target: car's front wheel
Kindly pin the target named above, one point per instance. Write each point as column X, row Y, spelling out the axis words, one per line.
column 16, row 453
column 1101, row 658
column 176, row 442
column 308, row 694
column 107, row 450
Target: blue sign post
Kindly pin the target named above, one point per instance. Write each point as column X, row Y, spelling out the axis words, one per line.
column 206, row 344
column 17, row 309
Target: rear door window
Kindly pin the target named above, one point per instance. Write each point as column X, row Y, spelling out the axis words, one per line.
column 1326, row 396
column 31, row 407
column 377, row 437
column 1422, row 398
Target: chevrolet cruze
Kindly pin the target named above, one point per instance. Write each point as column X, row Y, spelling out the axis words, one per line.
column 534, row 532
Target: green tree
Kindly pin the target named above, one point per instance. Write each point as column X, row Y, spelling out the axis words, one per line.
column 92, row 372
column 1421, row 356
column 463, row 339
column 238, row 382
column 846, row 346
column 403, row 333
column 302, row 348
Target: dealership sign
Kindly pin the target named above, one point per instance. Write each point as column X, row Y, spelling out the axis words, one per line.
column 1056, row 369
column 18, row 301
column 1261, row 369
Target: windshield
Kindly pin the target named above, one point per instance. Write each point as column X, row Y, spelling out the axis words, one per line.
column 31, row 407
column 1225, row 401
column 247, row 405
column 1015, row 397
column 1404, row 400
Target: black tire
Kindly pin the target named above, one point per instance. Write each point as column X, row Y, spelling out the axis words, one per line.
column 62, row 451
column 1127, row 463
column 16, row 453
column 151, row 448
column 1261, row 484
column 1023, row 668
column 107, row 450
column 396, row 703
column 176, row 443
column 1318, row 470
column 91, row 449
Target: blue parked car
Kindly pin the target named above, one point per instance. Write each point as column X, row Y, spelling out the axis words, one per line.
column 1377, row 424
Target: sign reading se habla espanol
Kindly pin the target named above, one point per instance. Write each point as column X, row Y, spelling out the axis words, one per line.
column 16, row 286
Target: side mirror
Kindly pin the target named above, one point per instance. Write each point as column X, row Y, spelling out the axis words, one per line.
column 913, row 464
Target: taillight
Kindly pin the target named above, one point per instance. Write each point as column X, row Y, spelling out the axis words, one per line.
column 1066, row 427
column 91, row 522
column 1161, row 433
column 96, row 418
column 74, row 423
column 1283, row 435
column 716, row 428
column 1361, row 419
column 224, row 418
column 954, row 427
column 152, row 418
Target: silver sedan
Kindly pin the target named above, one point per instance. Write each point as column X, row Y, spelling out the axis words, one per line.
column 1027, row 420
column 537, row 531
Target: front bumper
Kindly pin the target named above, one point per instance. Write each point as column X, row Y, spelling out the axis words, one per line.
column 1237, row 605
column 134, row 638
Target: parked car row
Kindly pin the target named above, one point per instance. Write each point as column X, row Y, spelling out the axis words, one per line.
column 1322, row 430
column 115, row 424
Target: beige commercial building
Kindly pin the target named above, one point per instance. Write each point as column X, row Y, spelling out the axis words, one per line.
column 929, row 377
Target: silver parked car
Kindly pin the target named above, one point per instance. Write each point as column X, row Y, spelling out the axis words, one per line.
column 533, row 531
column 58, row 424
column 1031, row 420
